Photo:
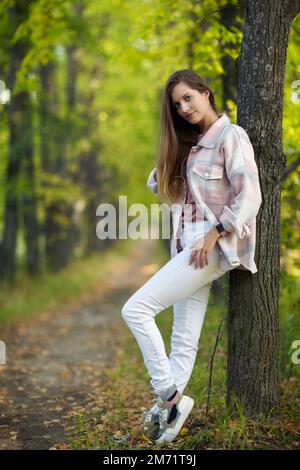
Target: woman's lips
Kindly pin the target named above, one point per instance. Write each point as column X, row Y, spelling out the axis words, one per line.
column 190, row 115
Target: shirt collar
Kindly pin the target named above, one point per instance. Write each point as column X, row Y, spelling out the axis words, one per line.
column 209, row 138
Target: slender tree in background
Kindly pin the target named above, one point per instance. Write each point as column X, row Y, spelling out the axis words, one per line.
column 20, row 179
column 57, row 134
column 70, row 234
column 53, row 167
column 253, row 332
column 28, row 192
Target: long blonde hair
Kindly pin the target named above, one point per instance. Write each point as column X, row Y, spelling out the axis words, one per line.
column 177, row 136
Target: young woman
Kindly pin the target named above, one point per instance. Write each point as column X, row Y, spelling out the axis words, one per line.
column 206, row 171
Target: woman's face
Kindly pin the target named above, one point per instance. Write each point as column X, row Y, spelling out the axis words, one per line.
column 189, row 103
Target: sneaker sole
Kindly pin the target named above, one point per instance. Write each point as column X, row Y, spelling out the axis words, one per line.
column 187, row 404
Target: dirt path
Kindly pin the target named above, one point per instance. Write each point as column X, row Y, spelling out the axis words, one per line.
column 55, row 362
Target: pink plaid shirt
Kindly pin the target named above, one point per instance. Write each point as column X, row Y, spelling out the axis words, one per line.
column 224, row 182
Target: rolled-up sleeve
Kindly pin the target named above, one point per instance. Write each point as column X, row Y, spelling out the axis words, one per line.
column 151, row 182
column 242, row 172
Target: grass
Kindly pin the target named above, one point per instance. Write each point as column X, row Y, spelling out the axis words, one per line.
column 125, row 389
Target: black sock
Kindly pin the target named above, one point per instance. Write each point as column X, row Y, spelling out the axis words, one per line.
column 172, row 414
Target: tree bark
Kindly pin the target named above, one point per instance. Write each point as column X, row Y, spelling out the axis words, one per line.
column 253, row 330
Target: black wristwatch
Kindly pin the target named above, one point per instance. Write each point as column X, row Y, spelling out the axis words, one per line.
column 220, row 228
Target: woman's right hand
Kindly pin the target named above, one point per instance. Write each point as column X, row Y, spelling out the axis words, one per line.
column 202, row 248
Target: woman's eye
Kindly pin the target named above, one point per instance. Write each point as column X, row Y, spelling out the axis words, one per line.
column 187, row 96
column 177, row 104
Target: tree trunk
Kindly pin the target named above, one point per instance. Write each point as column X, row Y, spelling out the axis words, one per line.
column 73, row 229
column 48, row 131
column 58, row 226
column 28, row 195
column 11, row 209
column 253, row 331
column 92, row 181
column 20, row 159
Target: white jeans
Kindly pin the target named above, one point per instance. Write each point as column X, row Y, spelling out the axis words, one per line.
column 186, row 288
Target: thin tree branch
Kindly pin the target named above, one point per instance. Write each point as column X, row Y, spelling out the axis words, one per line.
column 226, row 7
column 288, row 170
column 218, row 338
column 294, row 8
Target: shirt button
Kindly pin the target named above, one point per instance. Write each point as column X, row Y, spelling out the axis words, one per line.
column 206, row 174
column 221, row 252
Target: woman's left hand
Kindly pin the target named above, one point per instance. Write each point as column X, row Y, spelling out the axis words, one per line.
column 203, row 247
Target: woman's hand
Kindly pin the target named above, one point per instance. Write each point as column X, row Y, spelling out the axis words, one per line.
column 203, row 247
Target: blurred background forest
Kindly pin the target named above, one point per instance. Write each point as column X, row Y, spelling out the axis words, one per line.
column 80, row 93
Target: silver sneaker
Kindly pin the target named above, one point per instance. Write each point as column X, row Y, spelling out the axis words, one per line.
column 151, row 421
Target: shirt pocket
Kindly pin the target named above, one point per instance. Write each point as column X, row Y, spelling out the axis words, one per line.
column 208, row 171
column 212, row 183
